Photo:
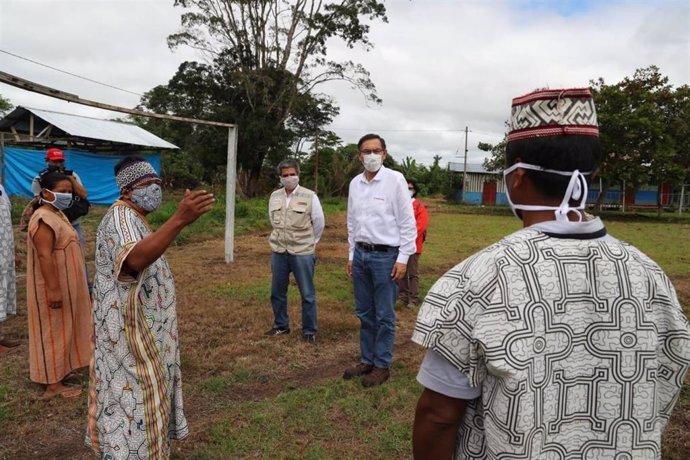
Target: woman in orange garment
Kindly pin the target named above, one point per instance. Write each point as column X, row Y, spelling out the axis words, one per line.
column 58, row 304
column 408, row 286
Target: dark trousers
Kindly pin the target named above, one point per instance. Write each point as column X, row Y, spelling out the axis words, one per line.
column 408, row 286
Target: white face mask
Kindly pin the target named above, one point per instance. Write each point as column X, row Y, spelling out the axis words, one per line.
column 411, row 192
column 372, row 162
column 577, row 190
column 60, row 201
column 289, row 182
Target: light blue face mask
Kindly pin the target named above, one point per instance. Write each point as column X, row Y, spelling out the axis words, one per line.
column 576, row 190
column 60, row 201
column 148, row 198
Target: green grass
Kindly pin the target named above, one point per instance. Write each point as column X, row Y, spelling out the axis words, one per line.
column 305, row 422
column 218, row 384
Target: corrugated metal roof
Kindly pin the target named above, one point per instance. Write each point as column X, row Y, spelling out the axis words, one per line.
column 475, row 168
column 97, row 129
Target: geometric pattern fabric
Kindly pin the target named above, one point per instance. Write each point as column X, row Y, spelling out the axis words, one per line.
column 580, row 348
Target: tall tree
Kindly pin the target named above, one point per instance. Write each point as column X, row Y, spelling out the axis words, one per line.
column 264, row 59
column 637, row 126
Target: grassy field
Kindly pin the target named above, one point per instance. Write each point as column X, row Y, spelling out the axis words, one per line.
column 251, row 396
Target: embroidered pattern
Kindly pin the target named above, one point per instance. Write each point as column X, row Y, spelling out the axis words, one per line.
column 553, row 113
column 579, row 346
column 135, row 404
column 135, row 173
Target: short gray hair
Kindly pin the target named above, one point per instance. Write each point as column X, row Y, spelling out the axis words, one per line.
column 287, row 163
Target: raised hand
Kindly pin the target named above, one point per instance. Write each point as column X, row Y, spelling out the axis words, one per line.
column 193, row 205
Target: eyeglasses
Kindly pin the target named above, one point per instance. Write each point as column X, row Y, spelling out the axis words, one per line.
column 372, row 151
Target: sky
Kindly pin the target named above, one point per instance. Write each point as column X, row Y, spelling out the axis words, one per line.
column 438, row 65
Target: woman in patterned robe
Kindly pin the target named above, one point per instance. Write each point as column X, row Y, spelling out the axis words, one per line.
column 135, row 393
column 8, row 285
column 58, row 305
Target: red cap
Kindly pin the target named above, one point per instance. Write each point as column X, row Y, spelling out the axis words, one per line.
column 55, row 155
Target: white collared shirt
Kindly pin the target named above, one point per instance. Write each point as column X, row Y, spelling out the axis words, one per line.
column 380, row 212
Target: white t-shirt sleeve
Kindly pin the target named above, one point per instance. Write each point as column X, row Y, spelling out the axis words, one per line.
column 35, row 186
column 438, row 374
column 318, row 220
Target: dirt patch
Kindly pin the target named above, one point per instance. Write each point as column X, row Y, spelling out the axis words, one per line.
column 222, row 341
column 223, row 311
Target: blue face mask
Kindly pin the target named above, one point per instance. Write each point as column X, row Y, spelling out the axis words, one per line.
column 60, row 201
column 148, row 198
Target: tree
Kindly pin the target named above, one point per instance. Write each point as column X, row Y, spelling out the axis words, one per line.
column 5, row 106
column 264, row 60
column 497, row 160
column 639, row 123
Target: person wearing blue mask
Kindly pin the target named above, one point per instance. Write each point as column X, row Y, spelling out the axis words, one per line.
column 58, row 304
column 135, row 394
column 559, row 341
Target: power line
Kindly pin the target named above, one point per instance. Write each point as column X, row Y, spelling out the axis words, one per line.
column 414, row 131
column 71, row 74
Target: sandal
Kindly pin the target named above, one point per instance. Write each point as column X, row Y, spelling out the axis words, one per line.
column 65, row 392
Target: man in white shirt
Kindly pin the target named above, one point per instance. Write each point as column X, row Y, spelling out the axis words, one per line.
column 381, row 233
column 298, row 223
column 559, row 341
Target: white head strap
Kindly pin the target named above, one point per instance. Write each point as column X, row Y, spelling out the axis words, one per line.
column 576, row 190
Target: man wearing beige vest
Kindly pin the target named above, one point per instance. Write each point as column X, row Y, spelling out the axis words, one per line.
column 298, row 223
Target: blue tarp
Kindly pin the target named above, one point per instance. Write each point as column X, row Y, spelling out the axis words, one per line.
column 95, row 171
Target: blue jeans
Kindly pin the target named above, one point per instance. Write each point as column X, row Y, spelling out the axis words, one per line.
column 302, row 267
column 375, row 293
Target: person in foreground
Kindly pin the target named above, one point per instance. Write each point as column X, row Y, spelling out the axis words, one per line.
column 58, row 303
column 8, row 279
column 559, row 341
column 381, row 233
column 298, row 223
column 135, row 391
column 408, row 286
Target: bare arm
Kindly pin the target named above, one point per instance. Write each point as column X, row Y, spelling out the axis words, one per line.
column 77, row 188
column 436, row 423
column 44, row 241
column 148, row 250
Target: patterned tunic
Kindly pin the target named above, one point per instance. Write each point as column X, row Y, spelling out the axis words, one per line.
column 59, row 338
column 8, row 284
column 579, row 346
column 135, row 405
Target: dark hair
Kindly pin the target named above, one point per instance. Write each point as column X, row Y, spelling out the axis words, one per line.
column 414, row 186
column 49, row 179
column 126, row 161
column 286, row 164
column 561, row 153
column 368, row 137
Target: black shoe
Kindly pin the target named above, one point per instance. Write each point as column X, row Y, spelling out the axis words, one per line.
column 311, row 338
column 277, row 331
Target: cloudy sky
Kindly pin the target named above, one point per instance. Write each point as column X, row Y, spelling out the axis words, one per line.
column 439, row 65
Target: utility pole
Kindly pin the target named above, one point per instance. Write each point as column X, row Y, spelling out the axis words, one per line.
column 464, row 170
column 316, row 161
